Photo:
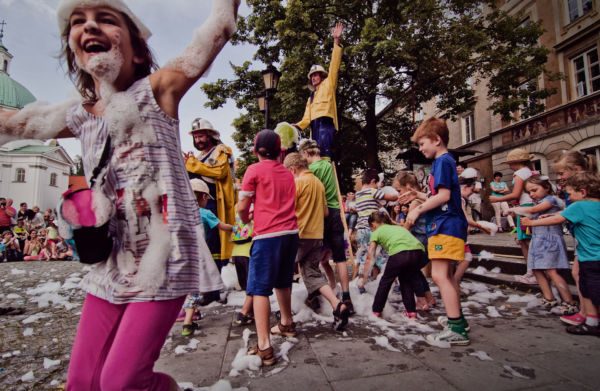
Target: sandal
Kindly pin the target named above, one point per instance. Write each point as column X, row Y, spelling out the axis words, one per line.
column 341, row 316
column 267, row 356
column 188, row 329
column 281, row 329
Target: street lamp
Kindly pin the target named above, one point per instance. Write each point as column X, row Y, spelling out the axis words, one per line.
column 271, row 80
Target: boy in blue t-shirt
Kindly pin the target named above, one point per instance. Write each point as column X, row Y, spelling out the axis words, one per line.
column 584, row 216
column 447, row 232
column 209, row 221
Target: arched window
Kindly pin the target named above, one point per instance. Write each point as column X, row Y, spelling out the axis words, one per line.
column 20, row 175
column 539, row 163
column 53, row 179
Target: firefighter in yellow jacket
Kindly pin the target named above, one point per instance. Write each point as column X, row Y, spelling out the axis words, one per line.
column 321, row 108
column 214, row 165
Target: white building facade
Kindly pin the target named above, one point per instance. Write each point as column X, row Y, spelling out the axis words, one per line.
column 34, row 172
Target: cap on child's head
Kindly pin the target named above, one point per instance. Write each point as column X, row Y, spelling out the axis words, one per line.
column 199, row 186
column 66, row 7
column 469, row 173
column 267, row 144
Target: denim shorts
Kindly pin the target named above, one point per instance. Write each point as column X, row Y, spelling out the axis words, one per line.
column 271, row 264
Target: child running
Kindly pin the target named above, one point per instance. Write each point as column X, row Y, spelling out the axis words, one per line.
column 584, row 215
column 366, row 203
column 311, row 209
column 157, row 258
column 270, row 187
column 209, row 221
column 548, row 251
column 448, row 231
column 406, row 258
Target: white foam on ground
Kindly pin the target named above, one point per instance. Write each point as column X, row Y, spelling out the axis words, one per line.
column 28, row 332
column 385, row 343
column 28, row 377
column 35, row 317
column 48, row 363
column 492, row 312
column 514, row 372
column 483, row 356
column 16, row 272
column 284, row 350
column 192, row 345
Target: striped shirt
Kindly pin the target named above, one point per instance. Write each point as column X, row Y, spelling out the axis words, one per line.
column 366, row 204
column 188, row 267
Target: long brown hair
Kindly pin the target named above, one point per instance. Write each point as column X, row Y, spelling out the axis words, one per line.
column 84, row 81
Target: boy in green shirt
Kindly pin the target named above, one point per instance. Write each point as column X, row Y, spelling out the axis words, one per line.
column 406, row 258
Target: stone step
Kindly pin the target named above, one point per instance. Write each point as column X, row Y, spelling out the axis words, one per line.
column 510, row 249
column 508, row 280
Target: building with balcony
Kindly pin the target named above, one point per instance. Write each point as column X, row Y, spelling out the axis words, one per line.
column 571, row 120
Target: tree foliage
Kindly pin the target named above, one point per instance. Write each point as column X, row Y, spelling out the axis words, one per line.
column 398, row 54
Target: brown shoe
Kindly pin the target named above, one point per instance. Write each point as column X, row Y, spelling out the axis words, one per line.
column 287, row 331
column 267, row 356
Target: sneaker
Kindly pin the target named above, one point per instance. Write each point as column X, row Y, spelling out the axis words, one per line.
column 573, row 320
column 243, row 320
column 443, row 321
column 584, row 329
column 527, row 278
column 188, row 329
column 513, row 230
column 568, row 309
column 548, row 304
column 449, row 336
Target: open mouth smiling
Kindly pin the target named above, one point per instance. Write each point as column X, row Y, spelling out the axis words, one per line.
column 95, row 47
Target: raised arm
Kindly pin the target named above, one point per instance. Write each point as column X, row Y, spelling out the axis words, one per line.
column 38, row 120
column 170, row 83
column 336, row 56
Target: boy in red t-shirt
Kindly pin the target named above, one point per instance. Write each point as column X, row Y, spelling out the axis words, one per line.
column 270, row 187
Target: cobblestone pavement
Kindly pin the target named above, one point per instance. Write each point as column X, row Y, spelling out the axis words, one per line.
column 515, row 344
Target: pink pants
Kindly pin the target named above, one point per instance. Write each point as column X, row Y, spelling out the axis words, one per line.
column 117, row 345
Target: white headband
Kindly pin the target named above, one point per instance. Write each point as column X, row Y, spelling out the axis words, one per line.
column 66, row 8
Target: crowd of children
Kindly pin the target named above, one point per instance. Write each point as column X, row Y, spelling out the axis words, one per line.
column 289, row 214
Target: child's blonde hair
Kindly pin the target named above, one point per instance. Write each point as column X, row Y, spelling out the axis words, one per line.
column 573, row 159
column 588, row 181
column 295, row 160
column 432, row 128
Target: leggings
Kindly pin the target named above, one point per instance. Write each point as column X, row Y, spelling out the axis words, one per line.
column 406, row 266
column 117, row 345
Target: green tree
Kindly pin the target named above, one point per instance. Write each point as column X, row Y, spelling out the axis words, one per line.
column 397, row 54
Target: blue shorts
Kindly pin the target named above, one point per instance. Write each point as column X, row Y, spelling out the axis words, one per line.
column 271, row 264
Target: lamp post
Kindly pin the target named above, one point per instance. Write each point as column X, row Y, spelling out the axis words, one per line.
column 271, row 79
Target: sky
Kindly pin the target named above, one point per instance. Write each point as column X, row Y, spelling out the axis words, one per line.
column 31, row 36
